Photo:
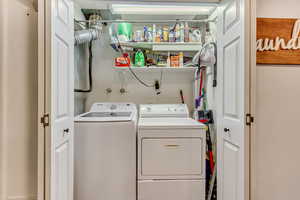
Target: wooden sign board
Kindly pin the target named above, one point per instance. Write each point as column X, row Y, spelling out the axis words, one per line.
column 278, row 41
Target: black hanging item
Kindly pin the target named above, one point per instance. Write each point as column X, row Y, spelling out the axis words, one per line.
column 215, row 66
column 182, row 97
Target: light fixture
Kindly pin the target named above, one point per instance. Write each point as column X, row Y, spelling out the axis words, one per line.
column 131, row 9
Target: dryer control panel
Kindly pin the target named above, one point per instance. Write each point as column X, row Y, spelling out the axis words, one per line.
column 164, row 110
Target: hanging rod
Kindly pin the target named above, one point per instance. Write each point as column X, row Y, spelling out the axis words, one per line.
column 145, row 21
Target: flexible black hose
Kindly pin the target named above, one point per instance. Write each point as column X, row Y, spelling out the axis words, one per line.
column 215, row 65
column 90, row 71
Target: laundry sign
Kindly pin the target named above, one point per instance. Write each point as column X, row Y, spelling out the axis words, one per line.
column 278, row 41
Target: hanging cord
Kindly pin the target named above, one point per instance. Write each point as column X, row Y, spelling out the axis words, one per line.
column 131, row 71
column 215, row 65
column 144, row 83
column 90, row 71
column 140, row 80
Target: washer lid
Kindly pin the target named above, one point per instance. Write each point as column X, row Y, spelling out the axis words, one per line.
column 169, row 123
column 109, row 112
column 105, row 116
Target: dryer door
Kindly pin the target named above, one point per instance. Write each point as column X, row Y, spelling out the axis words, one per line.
column 172, row 156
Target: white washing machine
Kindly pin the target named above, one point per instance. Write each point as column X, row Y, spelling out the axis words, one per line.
column 171, row 154
column 105, row 152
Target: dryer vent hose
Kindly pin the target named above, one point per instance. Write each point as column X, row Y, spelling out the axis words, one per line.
column 85, row 36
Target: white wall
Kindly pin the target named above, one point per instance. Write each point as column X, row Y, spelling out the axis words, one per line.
column 18, row 99
column 277, row 160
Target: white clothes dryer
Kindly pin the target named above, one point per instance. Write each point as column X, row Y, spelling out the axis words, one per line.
column 171, row 154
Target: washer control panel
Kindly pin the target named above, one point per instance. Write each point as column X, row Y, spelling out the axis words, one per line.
column 113, row 107
column 164, row 110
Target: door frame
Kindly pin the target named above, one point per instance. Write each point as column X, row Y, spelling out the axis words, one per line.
column 252, row 97
column 44, row 96
column 41, row 100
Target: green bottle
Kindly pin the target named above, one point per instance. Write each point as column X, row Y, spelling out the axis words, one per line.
column 139, row 59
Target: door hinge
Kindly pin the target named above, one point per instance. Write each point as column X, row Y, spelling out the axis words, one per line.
column 249, row 119
column 45, row 120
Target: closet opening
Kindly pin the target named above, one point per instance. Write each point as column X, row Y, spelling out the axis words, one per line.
column 147, row 100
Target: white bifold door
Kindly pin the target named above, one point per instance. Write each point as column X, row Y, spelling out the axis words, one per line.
column 232, row 173
column 59, row 102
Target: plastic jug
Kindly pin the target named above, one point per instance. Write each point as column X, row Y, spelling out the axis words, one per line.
column 139, row 58
column 125, row 32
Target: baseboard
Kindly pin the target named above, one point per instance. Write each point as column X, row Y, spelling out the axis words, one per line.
column 33, row 197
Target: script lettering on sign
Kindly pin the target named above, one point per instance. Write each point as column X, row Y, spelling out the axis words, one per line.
column 278, row 41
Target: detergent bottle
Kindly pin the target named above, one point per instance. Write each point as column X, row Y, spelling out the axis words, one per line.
column 139, row 58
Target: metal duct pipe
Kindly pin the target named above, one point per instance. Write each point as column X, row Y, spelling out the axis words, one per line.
column 88, row 35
